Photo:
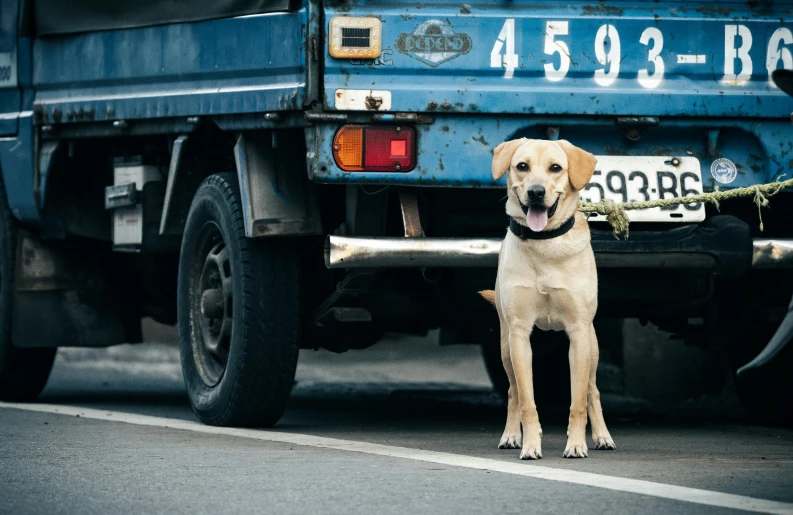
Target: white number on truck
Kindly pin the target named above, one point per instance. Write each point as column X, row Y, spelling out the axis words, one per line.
column 555, row 46
column 611, row 57
column 509, row 61
column 733, row 53
column 8, row 69
column 777, row 52
column 738, row 64
column 647, row 79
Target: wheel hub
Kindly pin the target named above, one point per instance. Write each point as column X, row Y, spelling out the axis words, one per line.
column 212, row 305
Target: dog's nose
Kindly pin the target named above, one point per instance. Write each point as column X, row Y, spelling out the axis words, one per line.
column 536, row 193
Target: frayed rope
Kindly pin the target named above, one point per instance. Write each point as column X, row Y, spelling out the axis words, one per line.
column 618, row 218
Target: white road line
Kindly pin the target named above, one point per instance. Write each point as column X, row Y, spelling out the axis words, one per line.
column 692, row 59
column 633, row 486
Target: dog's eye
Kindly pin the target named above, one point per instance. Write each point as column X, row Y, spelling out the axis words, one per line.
column 522, row 167
column 556, row 168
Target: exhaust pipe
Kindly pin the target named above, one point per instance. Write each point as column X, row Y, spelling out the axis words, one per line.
column 346, row 252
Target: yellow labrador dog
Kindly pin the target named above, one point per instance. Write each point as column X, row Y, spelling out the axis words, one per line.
column 547, row 278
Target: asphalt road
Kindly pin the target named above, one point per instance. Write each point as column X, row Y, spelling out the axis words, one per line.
column 403, row 427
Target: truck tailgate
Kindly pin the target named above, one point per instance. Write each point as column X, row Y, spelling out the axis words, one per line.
column 597, row 58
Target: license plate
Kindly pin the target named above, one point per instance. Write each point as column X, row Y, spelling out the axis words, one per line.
column 638, row 178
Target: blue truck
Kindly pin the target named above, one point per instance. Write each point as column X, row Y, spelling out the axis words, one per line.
column 271, row 175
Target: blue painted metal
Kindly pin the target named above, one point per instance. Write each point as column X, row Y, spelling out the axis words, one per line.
column 468, row 82
column 444, row 59
column 16, row 162
column 249, row 64
column 17, row 143
column 10, row 95
column 448, row 60
column 456, row 150
column 230, row 66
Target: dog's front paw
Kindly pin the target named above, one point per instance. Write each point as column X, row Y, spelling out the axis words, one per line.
column 604, row 443
column 510, row 441
column 575, row 450
column 532, row 449
column 531, row 453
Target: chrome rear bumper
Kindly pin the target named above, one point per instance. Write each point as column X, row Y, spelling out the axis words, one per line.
column 348, row 252
column 772, row 253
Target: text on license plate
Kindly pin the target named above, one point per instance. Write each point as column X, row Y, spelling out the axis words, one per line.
column 639, row 178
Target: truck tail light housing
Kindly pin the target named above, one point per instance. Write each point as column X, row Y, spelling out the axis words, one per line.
column 375, row 148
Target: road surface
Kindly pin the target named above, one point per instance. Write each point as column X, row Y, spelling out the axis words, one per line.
column 403, row 427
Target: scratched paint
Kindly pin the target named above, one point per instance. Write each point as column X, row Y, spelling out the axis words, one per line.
column 642, row 58
column 456, row 150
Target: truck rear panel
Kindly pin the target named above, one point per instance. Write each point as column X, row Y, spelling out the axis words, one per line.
column 623, row 78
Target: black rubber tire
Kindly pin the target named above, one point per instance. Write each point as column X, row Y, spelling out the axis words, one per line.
column 742, row 330
column 766, row 395
column 23, row 372
column 256, row 382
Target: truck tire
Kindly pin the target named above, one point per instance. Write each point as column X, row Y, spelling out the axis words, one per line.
column 23, row 372
column 742, row 330
column 766, row 395
column 238, row 312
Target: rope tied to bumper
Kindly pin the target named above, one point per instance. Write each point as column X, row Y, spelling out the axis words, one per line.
column 618, row 218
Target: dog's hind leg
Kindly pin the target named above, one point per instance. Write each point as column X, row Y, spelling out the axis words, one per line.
column 580, row 363
column 600, row 434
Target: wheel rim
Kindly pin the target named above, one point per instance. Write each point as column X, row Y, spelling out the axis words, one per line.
column 211, row 307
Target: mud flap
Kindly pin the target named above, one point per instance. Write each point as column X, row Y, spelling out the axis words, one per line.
column 277, row 199
column 62, row 297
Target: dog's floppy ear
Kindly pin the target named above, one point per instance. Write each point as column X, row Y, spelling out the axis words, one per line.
column 580, row 164
column 502, row 156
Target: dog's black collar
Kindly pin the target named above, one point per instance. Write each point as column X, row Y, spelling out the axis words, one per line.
column 524, row 233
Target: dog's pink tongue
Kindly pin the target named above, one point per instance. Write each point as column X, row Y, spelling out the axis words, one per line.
column 537, row 219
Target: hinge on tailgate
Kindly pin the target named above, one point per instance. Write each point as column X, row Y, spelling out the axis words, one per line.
column 624, row 121
column 635, row 124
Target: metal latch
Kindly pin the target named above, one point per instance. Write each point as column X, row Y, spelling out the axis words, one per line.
column 374, row 102
column 123, row 195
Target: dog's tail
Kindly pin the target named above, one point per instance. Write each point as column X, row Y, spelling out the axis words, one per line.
column 489, row 295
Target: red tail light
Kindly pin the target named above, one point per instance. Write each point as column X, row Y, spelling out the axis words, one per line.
column 375, row 148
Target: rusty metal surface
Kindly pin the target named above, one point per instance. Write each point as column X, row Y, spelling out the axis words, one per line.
column 456, row 150
column 411, row 217
column 40, row 268
column 219, row 67
column 639, row 59
column 173, row 170
column 276, row 199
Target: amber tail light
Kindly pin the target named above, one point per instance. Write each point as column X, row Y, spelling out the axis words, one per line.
column 375, row 148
